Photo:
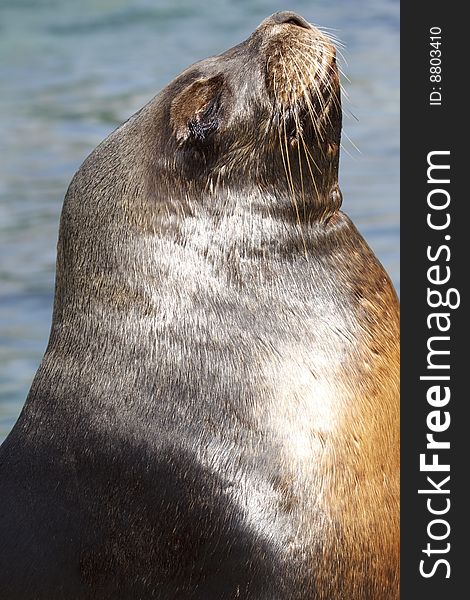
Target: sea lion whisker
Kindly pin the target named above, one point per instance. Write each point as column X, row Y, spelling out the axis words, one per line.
column 319, row 75
column 294, row 198
column 327, row 31
column 332, row 97
column 326, row 50
column 284, row 144
column 300, row 137
column 286, row 161
column 343, row 74
column 307, row 153
column 280, row 111
column 316, row 122
column 351, row 142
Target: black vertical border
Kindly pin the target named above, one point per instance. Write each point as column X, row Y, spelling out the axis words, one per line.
column 426, row 128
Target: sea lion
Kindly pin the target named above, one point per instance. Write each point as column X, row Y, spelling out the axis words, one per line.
column 216, row 414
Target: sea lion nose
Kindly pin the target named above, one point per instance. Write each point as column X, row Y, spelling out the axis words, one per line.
column 287, row 16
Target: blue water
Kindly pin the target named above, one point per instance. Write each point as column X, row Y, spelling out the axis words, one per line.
column 71, row 71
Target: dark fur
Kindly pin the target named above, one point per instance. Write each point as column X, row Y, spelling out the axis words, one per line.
column 216, row 415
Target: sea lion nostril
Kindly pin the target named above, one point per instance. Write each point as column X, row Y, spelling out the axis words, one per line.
column 295, row 21
column 290, row 18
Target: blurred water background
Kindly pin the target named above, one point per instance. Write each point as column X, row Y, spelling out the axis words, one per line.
column 70, row 72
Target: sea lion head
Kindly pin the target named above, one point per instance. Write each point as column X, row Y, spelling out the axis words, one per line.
column 263, row 115
column 252, row 134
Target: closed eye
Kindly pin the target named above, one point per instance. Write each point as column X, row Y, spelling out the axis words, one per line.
column 202, row 126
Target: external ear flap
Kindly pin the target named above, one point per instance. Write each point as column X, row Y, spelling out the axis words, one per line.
column 195, row 112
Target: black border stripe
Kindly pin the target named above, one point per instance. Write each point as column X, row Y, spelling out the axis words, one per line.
column 426, row 128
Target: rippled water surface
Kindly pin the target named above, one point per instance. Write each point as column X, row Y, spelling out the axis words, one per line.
column 71, row 71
